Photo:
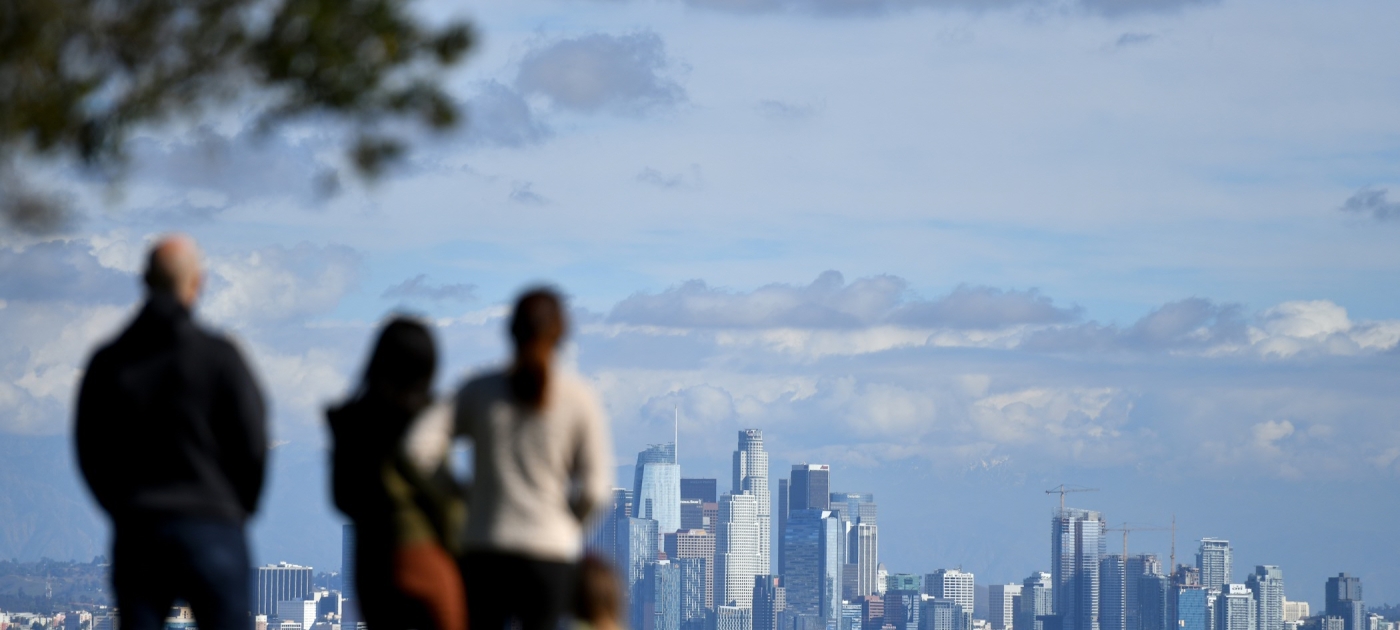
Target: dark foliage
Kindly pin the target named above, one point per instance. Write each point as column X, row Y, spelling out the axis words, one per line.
column 78, row 76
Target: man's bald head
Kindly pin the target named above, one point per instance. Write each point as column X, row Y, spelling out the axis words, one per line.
column 174, row 267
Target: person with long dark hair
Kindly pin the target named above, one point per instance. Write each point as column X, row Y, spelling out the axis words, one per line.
column 543, row 460
column 405, row 521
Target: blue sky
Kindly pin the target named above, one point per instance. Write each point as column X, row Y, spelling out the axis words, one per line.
column 988, row 247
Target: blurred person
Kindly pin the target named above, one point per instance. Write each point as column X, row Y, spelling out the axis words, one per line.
column 172, row 440
column 405, row 517
column 542, row 460
column 598, row 596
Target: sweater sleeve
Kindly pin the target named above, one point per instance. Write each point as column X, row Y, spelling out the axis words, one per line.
column 593, row 459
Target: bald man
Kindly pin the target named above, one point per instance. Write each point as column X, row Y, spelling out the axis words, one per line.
column 172, row 440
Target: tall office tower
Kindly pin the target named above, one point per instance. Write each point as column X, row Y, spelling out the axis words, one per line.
column 1193, row 608
column 1152, row 602
column 751, row 476
column 904, row 582
column 1137, row 567
column 350, row 614
column 1076, row 545
column 902, row 608
column 1344, row 600
column 769, row 600
column 711, row 511
column 738, row 550
column 951, row 584
column 810, row 488
column 1234, row 608
column 1214, row 560
column 734, row 617
column 941, row 613
column 854, row 507
column 782, row 521
column 282, row 582
column 639, row 550
column 1112, row 594
column 863, row 551
column 815, row 544
column 662, row 610
column 1003, row 600
column 694, row 590
column 850, row 576
column 698, row 489
column 1267, row 585
column 882, row 577
column 602, row 538
column 692, row 514
column 658, row 489
column 695, row 544
column 1037, row 601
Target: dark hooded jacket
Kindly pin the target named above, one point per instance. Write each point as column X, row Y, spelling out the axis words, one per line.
column 170, row 422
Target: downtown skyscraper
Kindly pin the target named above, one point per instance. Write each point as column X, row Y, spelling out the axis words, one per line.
column 1077, row 544
column 657, row 489
column 1215, row 563
column 751, row 477
column 1267, row 585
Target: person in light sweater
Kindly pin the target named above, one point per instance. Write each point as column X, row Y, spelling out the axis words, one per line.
column 543, row 460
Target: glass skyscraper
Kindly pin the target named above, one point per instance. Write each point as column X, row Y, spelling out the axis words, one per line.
column 1076, row 545
column 1344, row 601
column 810, row 488
column 657, row 493
column 1192, row 608
column 1152, row 602
column 1037, row 601
column 815, row 543
column 1112, row 594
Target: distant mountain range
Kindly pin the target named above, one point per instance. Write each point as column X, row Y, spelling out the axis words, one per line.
column 45, row 512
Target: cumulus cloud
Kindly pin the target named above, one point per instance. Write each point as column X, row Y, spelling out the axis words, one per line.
column 622, row 74
column 1375, row 202
column 62, row 270
column 279, row 283
column 1105, row 8
column 500, row 116
column 984, row 307
column 208, row 169
column 829, row 302
column 418, row 288
column 825, row 303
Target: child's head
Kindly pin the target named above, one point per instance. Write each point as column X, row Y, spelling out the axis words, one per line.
column 598, row 599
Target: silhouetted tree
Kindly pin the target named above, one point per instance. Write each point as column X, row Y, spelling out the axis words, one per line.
column 77, row 76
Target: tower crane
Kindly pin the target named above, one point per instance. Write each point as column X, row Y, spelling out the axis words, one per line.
column 1063, row 489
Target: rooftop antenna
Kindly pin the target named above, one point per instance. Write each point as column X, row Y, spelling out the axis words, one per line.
column 1173, row 569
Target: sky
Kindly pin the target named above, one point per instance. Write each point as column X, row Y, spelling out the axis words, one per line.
column 961, row 251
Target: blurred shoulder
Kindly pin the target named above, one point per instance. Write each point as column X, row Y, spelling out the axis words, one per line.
column 483, row 385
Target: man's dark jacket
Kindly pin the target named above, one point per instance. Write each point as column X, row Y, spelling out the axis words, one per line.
column 170, row 422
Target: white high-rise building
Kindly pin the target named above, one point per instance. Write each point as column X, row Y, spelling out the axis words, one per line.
column 864, row 552
column 751, row 476
column 301, row 611
column 1267, row 584
column 1002, row 602
column 1214, row 560
column 1295, row 612
column 951, row 584
column 1235, row 608
column 738, row 550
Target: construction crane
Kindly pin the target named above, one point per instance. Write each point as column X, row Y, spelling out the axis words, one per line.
column 1063, row 489
column 1141, row 528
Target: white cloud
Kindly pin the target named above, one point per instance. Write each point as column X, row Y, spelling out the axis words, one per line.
column 278, row 283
